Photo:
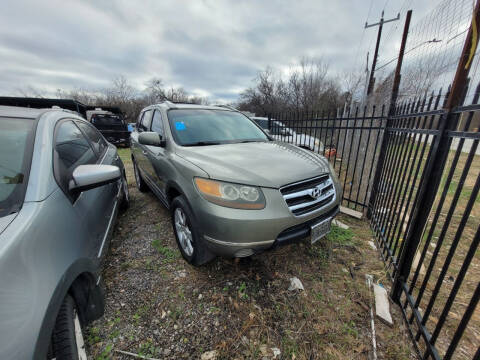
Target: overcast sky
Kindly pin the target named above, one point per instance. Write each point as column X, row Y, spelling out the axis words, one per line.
column 211, row 48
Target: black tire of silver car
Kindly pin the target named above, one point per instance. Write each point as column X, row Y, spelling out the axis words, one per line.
column 67, row 337
column 125, row 201
column 141, row 185
column 193, row 249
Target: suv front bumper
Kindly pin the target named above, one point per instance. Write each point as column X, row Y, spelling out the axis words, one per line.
column 238, row 233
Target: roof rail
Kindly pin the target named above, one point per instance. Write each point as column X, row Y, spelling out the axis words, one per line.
column 226, row 106
column 170, row 104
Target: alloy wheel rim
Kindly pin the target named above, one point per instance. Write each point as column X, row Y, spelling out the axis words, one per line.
column 184, row 233
column 82, row 354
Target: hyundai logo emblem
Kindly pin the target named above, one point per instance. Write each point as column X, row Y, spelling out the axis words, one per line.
column 316, row 192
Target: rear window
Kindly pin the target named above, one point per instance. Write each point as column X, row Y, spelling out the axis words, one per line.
column 16, row 143
column 106, row 120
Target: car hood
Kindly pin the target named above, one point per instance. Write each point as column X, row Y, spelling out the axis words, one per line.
column 6, row 220
column 267, row 164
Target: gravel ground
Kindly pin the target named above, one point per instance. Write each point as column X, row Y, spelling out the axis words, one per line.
column 158, row 306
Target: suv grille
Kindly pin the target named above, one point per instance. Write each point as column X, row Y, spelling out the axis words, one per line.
column 309, row 195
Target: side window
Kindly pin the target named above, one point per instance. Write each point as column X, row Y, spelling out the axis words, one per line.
column 98, row 142
column 157, row 124
column 71, row 150
column 146, row 120
column 139, row 120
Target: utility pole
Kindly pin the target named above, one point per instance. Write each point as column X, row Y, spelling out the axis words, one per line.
column 375, row 56
column 365, row 93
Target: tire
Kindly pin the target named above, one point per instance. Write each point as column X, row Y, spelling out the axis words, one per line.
column 197, row 253
column 141, row 184
column 67, row 337
column 125, row 202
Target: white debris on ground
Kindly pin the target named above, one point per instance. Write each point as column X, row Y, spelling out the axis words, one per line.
column 276, row 352
column 340, row 224
column 180, row 274
column 369, row 279
column 372, row 245
column 209, row 355
column 382, row 305
column 351, row 212
column 295, row 284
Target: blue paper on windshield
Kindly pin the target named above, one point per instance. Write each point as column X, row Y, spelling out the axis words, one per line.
column 180, row 125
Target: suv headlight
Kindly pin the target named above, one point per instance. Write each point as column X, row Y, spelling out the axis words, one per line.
column 231, row 195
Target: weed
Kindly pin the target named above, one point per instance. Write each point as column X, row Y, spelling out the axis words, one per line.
column 340, row 236
column 105, row 354
column 93, row 336
column 349, row 328
column 147, row 349
column 168, row 253
column 114, row 334
column 242, row 291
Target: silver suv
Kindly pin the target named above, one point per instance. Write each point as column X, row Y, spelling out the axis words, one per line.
column 232, row 190
column 61, row 185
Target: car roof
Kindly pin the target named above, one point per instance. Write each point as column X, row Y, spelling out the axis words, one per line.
column 29, row 113
column 21, row 112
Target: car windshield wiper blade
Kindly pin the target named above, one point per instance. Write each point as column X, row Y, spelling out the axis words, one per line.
column 203, row 143
column 249, row 141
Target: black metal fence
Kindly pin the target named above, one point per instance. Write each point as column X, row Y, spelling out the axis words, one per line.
column 414, row 169
column 430, row 246
column 350, row 140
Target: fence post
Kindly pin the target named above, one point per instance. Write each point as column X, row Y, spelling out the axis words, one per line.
column 435, row 166
column 391, row 111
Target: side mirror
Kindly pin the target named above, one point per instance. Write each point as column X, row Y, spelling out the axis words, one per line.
column 150, row 138
column 86, row 177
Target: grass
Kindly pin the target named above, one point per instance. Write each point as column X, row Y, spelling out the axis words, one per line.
column 169, row 254
column 341, row 236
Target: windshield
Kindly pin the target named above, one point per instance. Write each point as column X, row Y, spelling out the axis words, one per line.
column 206, row 127
column 16, row 139
column 106, row 120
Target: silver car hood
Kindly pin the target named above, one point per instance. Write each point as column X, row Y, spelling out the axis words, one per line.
column 6, row 220
column 267, row 164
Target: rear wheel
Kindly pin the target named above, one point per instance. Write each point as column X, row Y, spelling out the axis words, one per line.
column 67, row 337
column 186, row 231
column 141, row 184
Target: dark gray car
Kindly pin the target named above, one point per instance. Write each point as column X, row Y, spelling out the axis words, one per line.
column 61, row 185
column 232, row 189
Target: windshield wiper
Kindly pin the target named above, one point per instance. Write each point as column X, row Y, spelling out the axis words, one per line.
column 249, row 141
column 203, row 143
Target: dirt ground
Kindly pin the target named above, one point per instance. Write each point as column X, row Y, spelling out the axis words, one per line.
column 158, row 306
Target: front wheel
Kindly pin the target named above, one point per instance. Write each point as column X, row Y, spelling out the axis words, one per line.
column 186, row 231
column 67, row 337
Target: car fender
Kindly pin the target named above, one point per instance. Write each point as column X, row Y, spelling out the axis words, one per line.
column 81, row 267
